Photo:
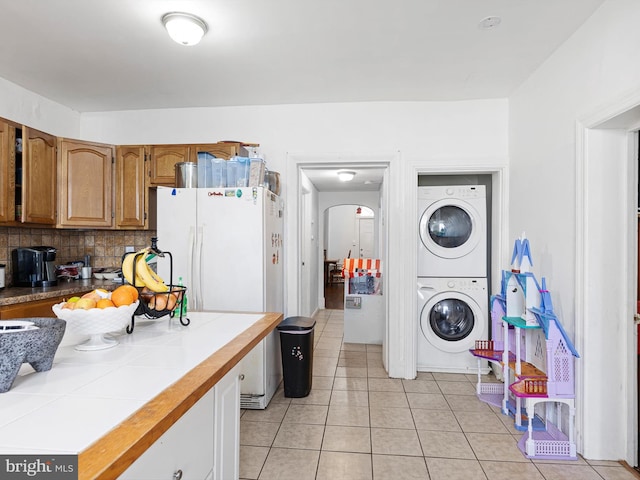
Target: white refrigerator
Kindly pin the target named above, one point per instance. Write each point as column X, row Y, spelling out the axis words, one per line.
column 227, row 245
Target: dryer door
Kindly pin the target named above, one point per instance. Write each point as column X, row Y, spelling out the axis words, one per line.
column 451, row 321
column 450, row 228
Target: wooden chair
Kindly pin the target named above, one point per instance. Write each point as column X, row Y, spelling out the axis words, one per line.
column 335, row 275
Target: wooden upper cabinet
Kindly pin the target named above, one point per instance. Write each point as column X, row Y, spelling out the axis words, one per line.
column 163, row 163
column 86, row 184
column 7, row 173
column 38, row 177
column 224, row 150
column 165, row 157
column 132, row 201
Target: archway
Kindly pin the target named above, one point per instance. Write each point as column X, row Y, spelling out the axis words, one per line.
column 350, row 231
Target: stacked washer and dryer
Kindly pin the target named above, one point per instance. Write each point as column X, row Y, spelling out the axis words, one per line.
column 452, row 277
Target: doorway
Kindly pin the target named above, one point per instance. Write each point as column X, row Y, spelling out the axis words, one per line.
column 605, row 285
column 350, row 231
column 318, row 174
column 366, row 233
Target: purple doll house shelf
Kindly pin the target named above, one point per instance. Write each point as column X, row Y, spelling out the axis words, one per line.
column 536, row 359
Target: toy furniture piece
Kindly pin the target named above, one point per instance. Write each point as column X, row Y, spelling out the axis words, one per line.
column 537, row 360
column 329, row 268
column 336, row 274
column 364, row 307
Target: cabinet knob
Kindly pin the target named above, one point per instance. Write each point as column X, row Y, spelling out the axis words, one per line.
column 177, row 475
column 241, row 376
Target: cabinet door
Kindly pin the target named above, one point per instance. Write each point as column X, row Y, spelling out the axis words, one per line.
column 186, row 446
column 37, row 308
column 131, row 192
column 221, row 150
column 226, row 460
column 86, row 184
column 7, row 172
column 163, row 163
column 38, row 177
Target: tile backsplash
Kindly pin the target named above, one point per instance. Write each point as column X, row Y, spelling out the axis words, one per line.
column 106, row 247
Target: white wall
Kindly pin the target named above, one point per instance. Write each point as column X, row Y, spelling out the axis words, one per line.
column 596, row 67
column 342, row 231
column 35, row 111
column 340, row 226
column 420, row 130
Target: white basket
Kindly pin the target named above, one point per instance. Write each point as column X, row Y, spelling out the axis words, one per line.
column 95, row 322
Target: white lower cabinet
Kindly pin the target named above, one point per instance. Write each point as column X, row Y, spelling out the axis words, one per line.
column 204, row 444
column 226, row 445
column 186, row 447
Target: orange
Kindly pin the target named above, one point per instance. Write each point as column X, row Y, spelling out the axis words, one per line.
column 123, row 296
column 104, row 303
column 132, row 289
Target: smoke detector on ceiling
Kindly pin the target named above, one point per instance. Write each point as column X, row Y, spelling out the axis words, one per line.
column 488, row 23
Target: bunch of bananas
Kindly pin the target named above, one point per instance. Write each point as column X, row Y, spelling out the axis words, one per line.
column 144, row 275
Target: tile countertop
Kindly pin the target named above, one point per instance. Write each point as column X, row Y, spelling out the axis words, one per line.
column 98, row 403
column 13, row 295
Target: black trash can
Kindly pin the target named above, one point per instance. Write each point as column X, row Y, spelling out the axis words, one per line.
column 296, row 342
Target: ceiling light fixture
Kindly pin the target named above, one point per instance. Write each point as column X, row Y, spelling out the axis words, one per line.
column 184, row 28
column 346, row 175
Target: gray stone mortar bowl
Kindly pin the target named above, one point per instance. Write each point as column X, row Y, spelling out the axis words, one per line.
column 36, row 347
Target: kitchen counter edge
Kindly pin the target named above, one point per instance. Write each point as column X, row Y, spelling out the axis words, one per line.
column 14, row 295
column 112, row 454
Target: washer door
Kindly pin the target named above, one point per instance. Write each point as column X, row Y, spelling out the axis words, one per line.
column 450, row 228
column 451, row 321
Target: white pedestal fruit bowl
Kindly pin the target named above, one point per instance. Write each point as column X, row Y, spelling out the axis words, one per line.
column 96, row 322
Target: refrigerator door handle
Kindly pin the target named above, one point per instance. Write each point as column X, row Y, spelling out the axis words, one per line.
column 191, row 262
column 199, row 302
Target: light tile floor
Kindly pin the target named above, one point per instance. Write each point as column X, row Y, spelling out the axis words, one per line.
column 358, row 424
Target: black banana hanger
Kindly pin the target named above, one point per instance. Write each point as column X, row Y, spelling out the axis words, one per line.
column 178, row 291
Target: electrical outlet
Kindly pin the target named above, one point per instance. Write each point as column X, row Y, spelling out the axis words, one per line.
column 129, row 248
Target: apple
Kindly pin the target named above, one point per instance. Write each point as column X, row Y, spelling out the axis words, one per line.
column 93, row 295
column 85, row 303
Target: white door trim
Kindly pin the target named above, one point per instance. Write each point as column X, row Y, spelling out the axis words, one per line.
column 295, row 164
column 619, row 118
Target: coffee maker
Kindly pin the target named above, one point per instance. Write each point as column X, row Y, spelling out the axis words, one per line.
column 34, row 267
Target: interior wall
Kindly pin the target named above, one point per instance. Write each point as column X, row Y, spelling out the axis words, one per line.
column 418, row 129
column 592, row 69
column 342, row 231
column 27, row 108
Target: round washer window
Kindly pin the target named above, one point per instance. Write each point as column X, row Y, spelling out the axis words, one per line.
column 450, row 226
column 451, row 319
